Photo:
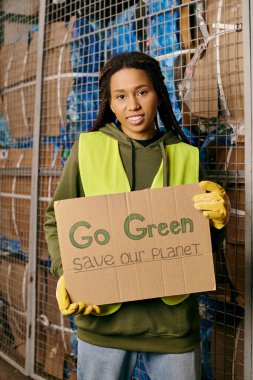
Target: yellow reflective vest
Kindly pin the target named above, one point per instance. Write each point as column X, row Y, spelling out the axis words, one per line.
column 98, row 177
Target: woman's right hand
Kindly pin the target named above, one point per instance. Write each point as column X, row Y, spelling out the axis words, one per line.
column 68, row 308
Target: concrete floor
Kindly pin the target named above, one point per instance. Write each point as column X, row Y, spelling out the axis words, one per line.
column 7, row 372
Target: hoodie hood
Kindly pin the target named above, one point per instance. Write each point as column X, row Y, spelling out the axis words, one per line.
column 113, row 131
column 132, row 152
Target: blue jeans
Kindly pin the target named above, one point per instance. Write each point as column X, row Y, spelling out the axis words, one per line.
column 96, row 363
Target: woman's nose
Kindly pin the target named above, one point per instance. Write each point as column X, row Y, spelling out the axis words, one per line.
column 133, row 104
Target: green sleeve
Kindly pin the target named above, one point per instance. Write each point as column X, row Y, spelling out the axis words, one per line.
column 69, row 187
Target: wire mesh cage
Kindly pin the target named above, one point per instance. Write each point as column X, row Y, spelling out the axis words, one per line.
column 199, row 45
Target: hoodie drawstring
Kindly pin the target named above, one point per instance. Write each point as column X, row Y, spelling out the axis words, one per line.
column 132, row 179
column 165, row 164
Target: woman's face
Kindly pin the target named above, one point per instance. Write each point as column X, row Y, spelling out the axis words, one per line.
column 134, row 102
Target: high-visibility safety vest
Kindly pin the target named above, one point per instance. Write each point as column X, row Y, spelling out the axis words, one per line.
column 98, row 177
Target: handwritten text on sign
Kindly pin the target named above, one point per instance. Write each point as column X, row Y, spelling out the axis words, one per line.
column 132, row 231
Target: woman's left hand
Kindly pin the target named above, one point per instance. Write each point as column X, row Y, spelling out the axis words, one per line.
column 214, row 204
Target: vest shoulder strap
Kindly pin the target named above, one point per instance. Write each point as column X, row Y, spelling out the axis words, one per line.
column 97, row 150
column 183, row 165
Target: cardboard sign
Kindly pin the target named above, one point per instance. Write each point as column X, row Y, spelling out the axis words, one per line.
column 131, row 246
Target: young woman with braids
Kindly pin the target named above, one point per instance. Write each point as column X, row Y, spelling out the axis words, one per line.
column 127, row 151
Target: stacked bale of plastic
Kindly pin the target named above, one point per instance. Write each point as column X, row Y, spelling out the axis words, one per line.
column 18, row 83
column 57, row 77
column 164, row 42
column 121, row 32
column 15, row 190
column 13, row 67
column 14, row 198
column 14, row 306
column 86, row 57
column 58, row 336
column 15, row 155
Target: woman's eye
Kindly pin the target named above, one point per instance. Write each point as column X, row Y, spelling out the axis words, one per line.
column 142, row 92
column 120, row 96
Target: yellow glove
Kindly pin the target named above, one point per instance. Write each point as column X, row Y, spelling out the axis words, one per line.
column 68, row 308
column 214, row 204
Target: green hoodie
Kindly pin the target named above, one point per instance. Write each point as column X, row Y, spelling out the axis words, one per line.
column 147, row 325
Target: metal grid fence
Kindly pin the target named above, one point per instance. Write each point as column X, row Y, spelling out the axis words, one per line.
column 51, row 54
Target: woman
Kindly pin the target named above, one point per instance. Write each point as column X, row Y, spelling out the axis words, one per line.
column 126, row 135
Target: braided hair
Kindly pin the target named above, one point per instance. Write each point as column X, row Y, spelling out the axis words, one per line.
column 141, row 61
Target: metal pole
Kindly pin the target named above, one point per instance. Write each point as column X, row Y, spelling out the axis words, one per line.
column 248, row 119
column 31, row 304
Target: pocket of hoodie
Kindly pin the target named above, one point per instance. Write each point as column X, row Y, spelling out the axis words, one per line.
column 177, row 320
column 145, row 318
